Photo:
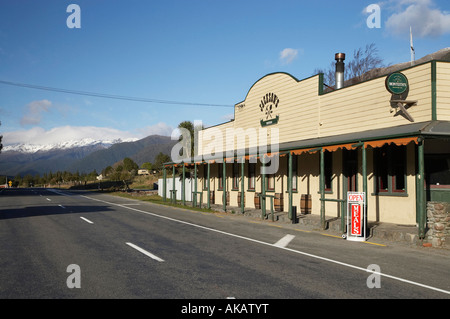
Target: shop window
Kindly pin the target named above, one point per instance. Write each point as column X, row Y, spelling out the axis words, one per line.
column 220, row 186
column 205, row 177
column 251, row 176
column 236, row 176
column 270, row 183
column 437, row 170
column 390, row 169
column 294, row 173
column 351, row 169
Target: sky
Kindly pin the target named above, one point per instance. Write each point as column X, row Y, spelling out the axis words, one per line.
column 108, row 69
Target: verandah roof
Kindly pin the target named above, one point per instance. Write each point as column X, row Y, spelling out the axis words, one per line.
column 399, row 135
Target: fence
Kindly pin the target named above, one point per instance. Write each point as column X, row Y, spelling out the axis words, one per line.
column 188, row 188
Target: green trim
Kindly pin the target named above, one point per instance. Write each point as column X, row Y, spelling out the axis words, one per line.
column 289, row 184
column 242, row 186
column 322, row 188
column 321, row 83
column 420, row 192
column 433, row 91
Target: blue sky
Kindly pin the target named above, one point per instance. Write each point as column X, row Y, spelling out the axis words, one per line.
column 194, row 51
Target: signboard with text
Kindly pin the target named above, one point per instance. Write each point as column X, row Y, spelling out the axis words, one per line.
column 356, row 216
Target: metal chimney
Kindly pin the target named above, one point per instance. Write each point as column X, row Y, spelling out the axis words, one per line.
column 340, row 69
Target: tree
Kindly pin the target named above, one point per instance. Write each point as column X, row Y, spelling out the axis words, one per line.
column 192, row 128
column 147, row 165
column 364, row 60
column 129, row 165
column 107, row 171
column 160, row 159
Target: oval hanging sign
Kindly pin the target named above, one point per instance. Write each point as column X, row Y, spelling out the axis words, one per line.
column 397, row 83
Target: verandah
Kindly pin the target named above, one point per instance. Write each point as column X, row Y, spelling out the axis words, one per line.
column 241, row 161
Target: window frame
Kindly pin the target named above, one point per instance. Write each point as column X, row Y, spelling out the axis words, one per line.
column 387, row 161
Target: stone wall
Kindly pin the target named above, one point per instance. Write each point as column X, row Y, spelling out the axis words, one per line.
column 438, row 215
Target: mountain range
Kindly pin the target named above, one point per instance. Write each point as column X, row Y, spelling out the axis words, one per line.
column 83, row 156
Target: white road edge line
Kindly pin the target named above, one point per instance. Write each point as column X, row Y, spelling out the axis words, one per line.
column 264, row 243
column 86, row 220
column 283, row 242
column 145, row 252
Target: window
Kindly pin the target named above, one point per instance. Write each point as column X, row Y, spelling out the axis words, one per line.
column 294, row 173
column 437, row 170
column 236, row 176
column 205, row 177
column 220, row 186
column 251, row 176
column 390, row 169
column 350, row 158
column 270, row 182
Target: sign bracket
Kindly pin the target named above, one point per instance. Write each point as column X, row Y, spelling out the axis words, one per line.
column 402, row 106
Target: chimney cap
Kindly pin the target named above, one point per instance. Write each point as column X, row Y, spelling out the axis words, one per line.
column 339, row 56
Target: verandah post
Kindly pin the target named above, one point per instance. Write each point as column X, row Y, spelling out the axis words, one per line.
column 322, row 188
column 242, row 185
column 290, row 186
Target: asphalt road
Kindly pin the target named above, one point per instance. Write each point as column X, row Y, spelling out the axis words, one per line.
column 59, row 244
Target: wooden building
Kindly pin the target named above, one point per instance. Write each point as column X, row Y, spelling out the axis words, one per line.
column 388, row 137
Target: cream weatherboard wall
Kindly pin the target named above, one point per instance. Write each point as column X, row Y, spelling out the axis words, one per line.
column 367, row 106
column 443, row 90
column 306, row 114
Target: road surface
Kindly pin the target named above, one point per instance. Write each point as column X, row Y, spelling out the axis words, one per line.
column 60, row 244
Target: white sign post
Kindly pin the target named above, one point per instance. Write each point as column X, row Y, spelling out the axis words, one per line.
column 356, row 216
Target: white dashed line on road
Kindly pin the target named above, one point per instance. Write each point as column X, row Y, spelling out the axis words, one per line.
column 148, row 254
column 283, row 242
column 86, row 220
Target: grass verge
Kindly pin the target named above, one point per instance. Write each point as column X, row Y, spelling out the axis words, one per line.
column 156, row 199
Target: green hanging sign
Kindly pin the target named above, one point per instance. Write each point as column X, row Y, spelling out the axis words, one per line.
column 397, row 83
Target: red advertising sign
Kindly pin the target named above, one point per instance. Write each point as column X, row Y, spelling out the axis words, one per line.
column 356, row 229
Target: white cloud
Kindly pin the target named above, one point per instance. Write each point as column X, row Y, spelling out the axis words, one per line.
column 40, row 136
column 157, row 129
column 288, row 55
column 422, row 15
column 34, row 111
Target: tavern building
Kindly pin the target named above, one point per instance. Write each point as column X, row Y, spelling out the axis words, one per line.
column 299, row 146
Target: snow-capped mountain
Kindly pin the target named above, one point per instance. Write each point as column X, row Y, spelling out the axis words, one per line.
column 34, row 148
column 84, row 155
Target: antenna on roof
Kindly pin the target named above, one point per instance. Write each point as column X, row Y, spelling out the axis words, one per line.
column 413, row 52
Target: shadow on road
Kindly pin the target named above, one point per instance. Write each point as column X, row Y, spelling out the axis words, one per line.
column 34, row 211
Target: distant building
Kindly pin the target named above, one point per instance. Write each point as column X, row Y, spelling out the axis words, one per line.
column 143, row 172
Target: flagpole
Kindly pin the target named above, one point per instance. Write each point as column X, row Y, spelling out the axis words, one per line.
column 413, row 52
